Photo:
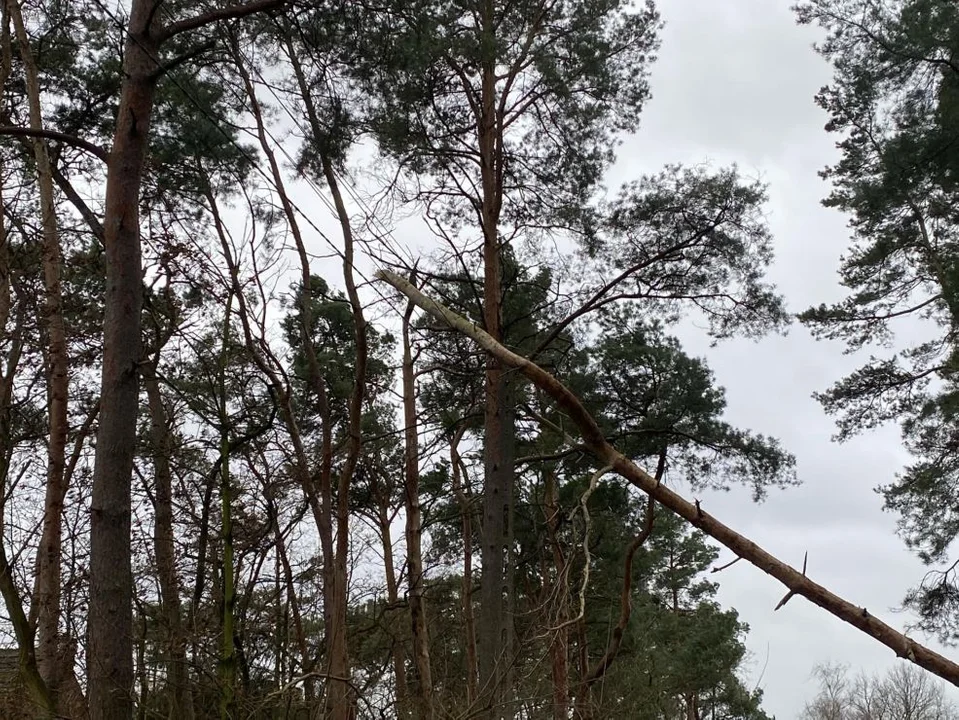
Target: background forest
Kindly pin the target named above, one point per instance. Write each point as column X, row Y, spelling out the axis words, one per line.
column 262, row 456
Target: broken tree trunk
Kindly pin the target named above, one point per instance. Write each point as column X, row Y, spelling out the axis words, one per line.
column 797, row 582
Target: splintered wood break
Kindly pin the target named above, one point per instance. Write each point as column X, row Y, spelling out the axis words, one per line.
column 789, row 595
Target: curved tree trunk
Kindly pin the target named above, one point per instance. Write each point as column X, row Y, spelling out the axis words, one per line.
column 46, row 607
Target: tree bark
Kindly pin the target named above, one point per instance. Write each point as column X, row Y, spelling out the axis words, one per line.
column 414, row 532
column 340, row 657
column 47, row 600
column 795, row 581
column 392, row 599
column 493, row 637
column 110, row 615
column 228, row 651
column 559, row 644
column 110, row 620
column 461, row 488
column 179, row 694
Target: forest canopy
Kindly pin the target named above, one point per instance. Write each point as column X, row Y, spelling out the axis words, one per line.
column 262, row 456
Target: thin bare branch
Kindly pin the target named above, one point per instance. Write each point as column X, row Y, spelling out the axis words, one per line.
column 99, row 152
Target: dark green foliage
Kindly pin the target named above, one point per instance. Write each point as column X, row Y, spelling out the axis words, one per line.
column 335, row 346
column 653, row 397
column 689, row 237
column 570, row 75
column 894, row 101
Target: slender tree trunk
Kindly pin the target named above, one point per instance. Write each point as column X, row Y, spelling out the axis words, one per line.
column 336, row 627
column 392, row 599
column 47, row 602
column 23, row 630
column 179, row 695
column 559, row 643
column 306, row 662
column 228, row 651
column 338, row 698
column 414, row 532
column 340, row 656
column 320, row 502
column 110, row 621
column 228, row 659
column 141, row 665
column 464, row 495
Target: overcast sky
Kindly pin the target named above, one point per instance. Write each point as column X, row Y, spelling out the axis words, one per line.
column 735, row 82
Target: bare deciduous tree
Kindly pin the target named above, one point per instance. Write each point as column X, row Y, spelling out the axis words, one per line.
column 903, row 693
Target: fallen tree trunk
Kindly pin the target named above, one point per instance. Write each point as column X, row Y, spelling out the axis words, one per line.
column 607, row 455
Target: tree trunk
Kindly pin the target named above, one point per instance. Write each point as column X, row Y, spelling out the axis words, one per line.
column 23, row 630
column 493, row 638
column 228, row 650
column 392, row 599
column 46, row 609
column 414, row 533
column 461, row 487
column 320, row 502
column 228, row 659
column 559, row 644
column 110, row 615
column 342, row 704
column 595, row 441
column 625, row 598
column 110, row 621
column 284, row 582
column 340, row 657
column 336, row 700
column 179, row 694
